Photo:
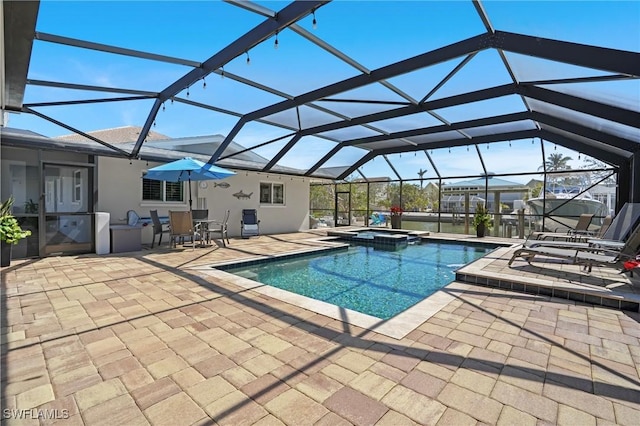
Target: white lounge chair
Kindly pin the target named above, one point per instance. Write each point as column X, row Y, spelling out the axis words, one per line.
column 614, row 236
column 582, row 227
column 589, row 256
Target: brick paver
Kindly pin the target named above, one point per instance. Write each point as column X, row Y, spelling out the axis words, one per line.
column 356, row 407
column 151, row 338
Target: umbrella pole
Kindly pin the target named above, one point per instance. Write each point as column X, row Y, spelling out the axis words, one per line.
column 190, row 191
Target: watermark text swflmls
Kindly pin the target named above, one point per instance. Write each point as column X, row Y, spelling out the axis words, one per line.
column 35, row 413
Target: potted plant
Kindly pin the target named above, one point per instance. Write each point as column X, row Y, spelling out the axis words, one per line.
column 396, row 217
column 482, row 220
column 10, row 231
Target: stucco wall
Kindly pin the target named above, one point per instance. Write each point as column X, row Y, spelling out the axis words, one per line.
column 120, row 189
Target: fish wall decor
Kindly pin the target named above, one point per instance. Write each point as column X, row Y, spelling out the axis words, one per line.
column 223, row 185
column 242, row 196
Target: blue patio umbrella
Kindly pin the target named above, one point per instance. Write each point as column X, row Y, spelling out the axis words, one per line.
column 186, row 170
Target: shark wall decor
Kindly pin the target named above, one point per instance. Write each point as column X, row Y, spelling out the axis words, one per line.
column 242, row 196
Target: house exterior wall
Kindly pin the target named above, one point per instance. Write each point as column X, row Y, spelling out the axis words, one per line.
column 119, row 186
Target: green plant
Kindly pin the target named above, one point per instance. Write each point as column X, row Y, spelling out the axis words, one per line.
column 30, row 206
column 482, row 216
column 10, row 230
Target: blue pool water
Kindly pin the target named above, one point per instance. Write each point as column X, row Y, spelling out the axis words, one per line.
column 375, row 282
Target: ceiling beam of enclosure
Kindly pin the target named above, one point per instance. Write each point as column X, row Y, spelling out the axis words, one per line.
column 408, row 110
column 484, row 17
column 582, row 128
column 150, row 56
column 353, row 63
column 605, row 140
column 91, row 88
column 475, row 96
column 589, row 143
column 423, row 131
column 253, row 7
column 587, row 106
column 573, row 53
column 287, row 16
column 449, row 143
column 608, row 157
column 83, row 44
column 594, row 57
column 443, row 54
column 115, row 149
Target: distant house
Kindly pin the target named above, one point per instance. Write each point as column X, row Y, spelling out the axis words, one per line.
column 505, row 191
column 533, row 183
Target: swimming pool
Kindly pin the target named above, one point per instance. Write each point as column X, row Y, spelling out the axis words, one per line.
column 375, row 282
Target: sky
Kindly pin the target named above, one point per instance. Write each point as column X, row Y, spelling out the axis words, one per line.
column 373, row 33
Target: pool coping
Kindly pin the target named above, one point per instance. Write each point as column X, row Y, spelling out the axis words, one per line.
column 479, row 273
column 396, row 327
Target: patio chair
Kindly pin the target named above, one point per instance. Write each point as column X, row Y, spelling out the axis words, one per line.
column 249, row 224
column 181, row 226
column 158, row 228
column 200, row 221
column 624, row 222
column 132, row 218
column 200, row 214
column 604, row 227
column 313, row 222
column 614, row 236
column 581, row 227
column 580, row 241
column 377, row 219
column 588, row 256
column 219, row 228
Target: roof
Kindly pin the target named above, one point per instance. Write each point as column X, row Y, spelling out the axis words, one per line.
column 116, row 135
column 375, row 81
column 491, row 182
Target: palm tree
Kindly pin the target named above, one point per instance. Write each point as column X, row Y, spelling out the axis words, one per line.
column 555, row 162
column 421, row 174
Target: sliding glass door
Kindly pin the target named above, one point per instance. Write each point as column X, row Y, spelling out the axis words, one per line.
column 68, row 208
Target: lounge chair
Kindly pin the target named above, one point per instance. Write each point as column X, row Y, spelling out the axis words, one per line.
column 582, row 227
column 377, row 219
column 215, row 227
column 181, row 226
column 604, row 227
column 580, row 241
column 249, row 224
column 613, row 236
column 158, row 229
column 624, row 222
column 588, row 256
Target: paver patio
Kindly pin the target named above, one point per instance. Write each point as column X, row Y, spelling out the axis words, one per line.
column 151, row 338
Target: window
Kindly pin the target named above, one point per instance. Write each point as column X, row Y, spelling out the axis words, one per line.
column 271, row 193
column 155, row 190
column 60, row 187
column 77, row 186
